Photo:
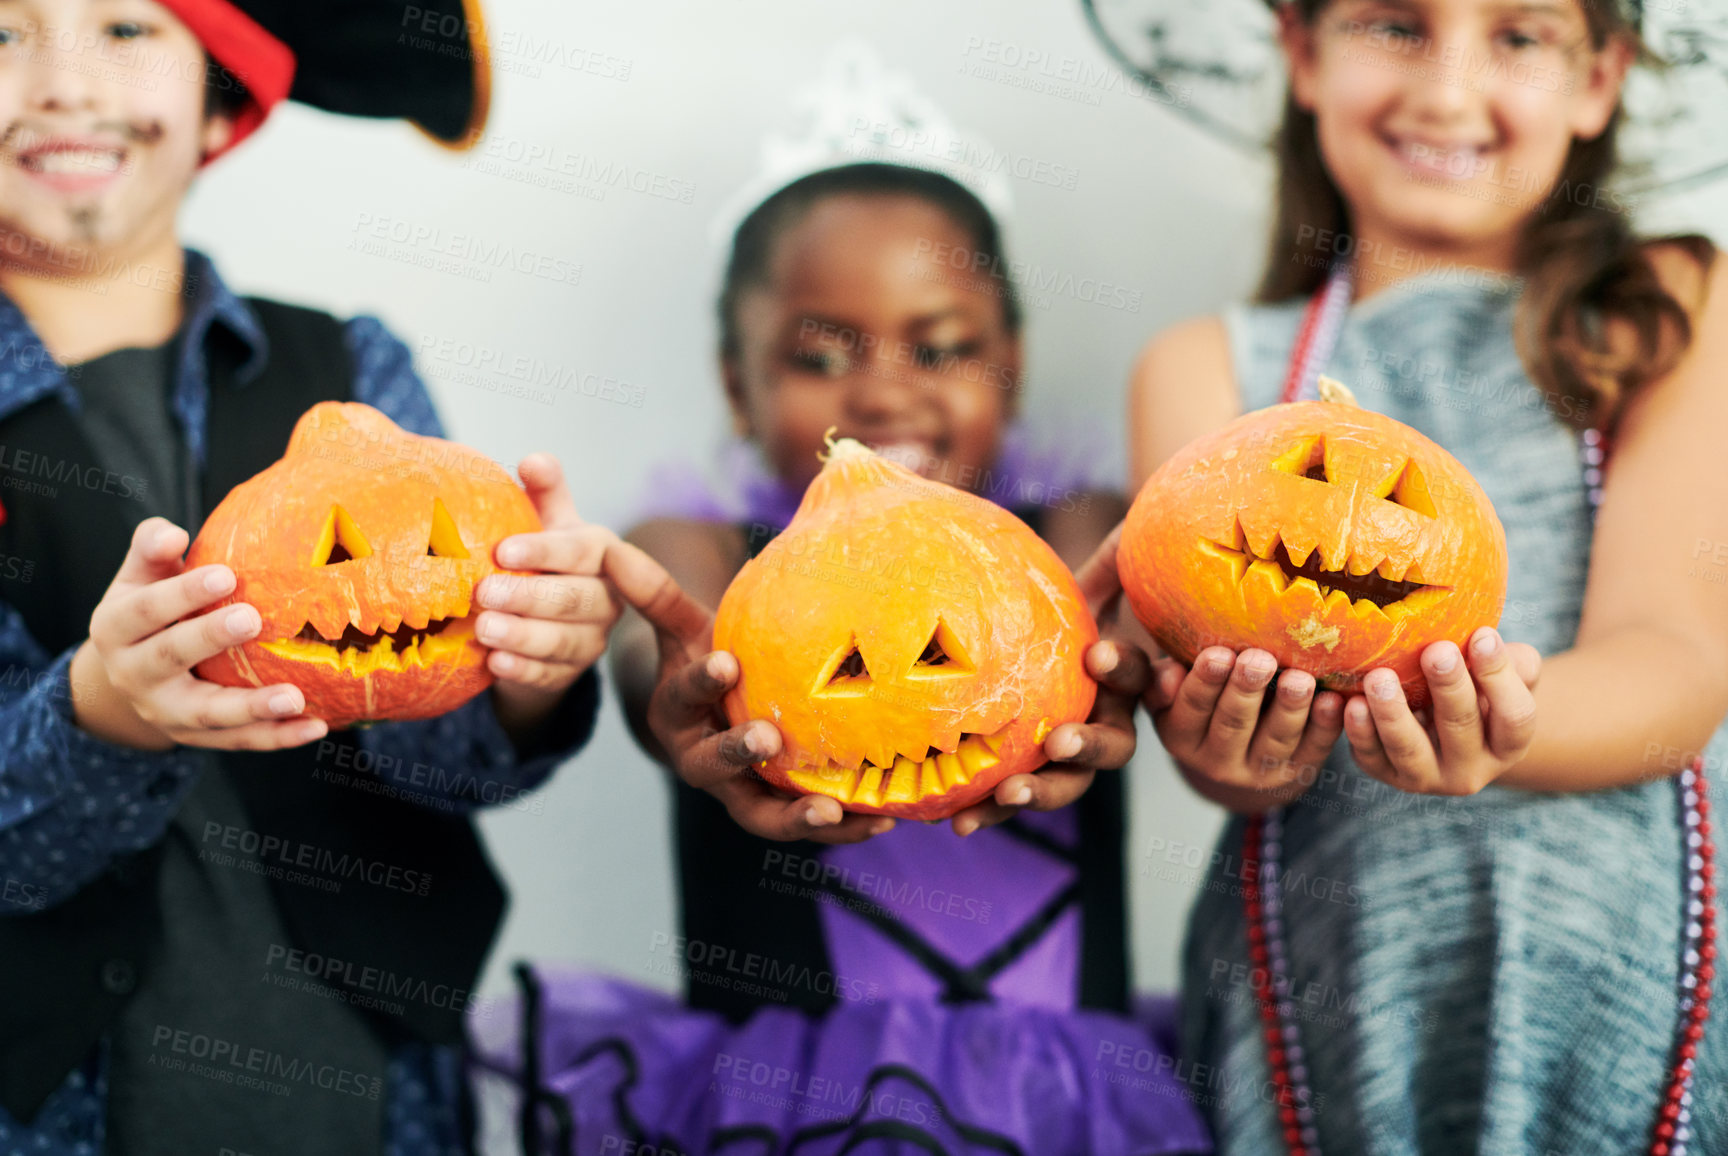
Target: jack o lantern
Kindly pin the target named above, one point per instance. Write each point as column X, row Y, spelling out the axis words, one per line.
column 360, row 550
column 913, row 642
column 1334, row 537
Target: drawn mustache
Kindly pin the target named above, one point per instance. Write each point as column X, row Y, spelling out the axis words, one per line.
column 20, row 135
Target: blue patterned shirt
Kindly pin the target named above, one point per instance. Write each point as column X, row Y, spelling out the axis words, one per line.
column 70, row 804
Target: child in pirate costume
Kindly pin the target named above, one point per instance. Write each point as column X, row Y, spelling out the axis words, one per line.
column 156, row 954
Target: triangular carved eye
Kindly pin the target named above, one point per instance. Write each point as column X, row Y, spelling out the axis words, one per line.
column 446, row 541
column 1412, row 491
column 1306, row 458
column 942, row 656
column 845, row 675
column 340, row 540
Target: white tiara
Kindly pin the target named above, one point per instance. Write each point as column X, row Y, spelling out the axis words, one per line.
column 860, row 113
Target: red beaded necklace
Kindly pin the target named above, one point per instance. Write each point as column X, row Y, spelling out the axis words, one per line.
column 1262, row 853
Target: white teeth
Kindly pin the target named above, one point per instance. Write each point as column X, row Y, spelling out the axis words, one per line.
column 1455, row 161
column 77, row 161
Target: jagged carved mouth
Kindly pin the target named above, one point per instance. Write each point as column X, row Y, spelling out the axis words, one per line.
column 907, row 780
column 359, row 653
column 1368, row 585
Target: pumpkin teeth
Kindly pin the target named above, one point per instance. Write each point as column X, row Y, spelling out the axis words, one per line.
column 1263, row 547
column 386, row 653
column 1237, row 560
column 902, row 782
column 1268, row 573
column 869, row 791
column 1361, row 565
column 1298, row 554
column 906, row 780
column 1336, row 601
column 1366, row 610
column 1391, row 570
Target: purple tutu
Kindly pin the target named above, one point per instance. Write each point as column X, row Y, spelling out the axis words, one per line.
column 624, row 1071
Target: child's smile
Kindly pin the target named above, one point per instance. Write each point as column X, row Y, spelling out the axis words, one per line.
column 102, row 127
column 866, row 332
column 1446, row 123
column 68, row 164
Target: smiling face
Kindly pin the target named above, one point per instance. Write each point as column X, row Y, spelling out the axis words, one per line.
column 1333, row 537
column 361, row 549
column 865, row 325
column 102, row 127
column 913, row 643
column 1446, row 123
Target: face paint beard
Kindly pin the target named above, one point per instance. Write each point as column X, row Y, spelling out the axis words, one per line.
column 85, row 221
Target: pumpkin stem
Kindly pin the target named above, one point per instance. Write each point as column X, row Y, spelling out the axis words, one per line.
column 842, row 449
column 1335, row 391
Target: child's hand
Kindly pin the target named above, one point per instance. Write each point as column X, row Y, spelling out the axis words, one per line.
column 1105, row 741
column 545, row 630
column 1210, row 720
column 1479, row 724
column 132, row 682
column 687, row 721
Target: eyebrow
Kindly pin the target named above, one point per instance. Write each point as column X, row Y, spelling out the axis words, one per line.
column 1535, row 8
column 1522, row 7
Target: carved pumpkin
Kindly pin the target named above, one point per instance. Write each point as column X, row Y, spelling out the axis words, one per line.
column 360, row 550
column 914, row 643
column 1334, row 537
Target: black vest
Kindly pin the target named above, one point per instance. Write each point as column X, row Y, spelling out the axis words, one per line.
column 71, row 967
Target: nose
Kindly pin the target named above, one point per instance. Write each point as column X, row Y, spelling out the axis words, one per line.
column 58, row 78
column 1443, row 90
column 879, row 392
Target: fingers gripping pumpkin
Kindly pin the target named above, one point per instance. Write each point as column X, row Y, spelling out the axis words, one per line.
column 360, row 550
column 913, row 642
column 1332, row 536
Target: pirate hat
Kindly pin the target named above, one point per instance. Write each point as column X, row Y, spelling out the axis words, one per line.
column 420, row 60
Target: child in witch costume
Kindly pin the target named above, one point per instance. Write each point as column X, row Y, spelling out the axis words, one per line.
column 158, row 958
column 854, row 983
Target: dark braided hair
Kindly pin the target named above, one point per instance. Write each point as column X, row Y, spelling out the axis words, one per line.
column 753, row 244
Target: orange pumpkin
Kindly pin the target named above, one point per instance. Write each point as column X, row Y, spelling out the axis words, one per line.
column 914, row 643
column 1334, row 537
column 360, row 549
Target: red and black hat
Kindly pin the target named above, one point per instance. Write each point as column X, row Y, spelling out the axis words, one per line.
column 420, row 60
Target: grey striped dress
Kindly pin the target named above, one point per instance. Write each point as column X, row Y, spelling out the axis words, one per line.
column 1495, row 974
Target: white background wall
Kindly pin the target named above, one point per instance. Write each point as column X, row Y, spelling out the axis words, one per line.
column 1156, row 207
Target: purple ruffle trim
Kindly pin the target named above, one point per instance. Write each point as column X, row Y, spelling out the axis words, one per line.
column 638, row 1072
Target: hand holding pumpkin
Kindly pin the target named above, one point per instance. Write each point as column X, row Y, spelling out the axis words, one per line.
column 1210, row 720
column 132, row 681
column 545, row 630
column 689, row 724
column 1480, row 722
